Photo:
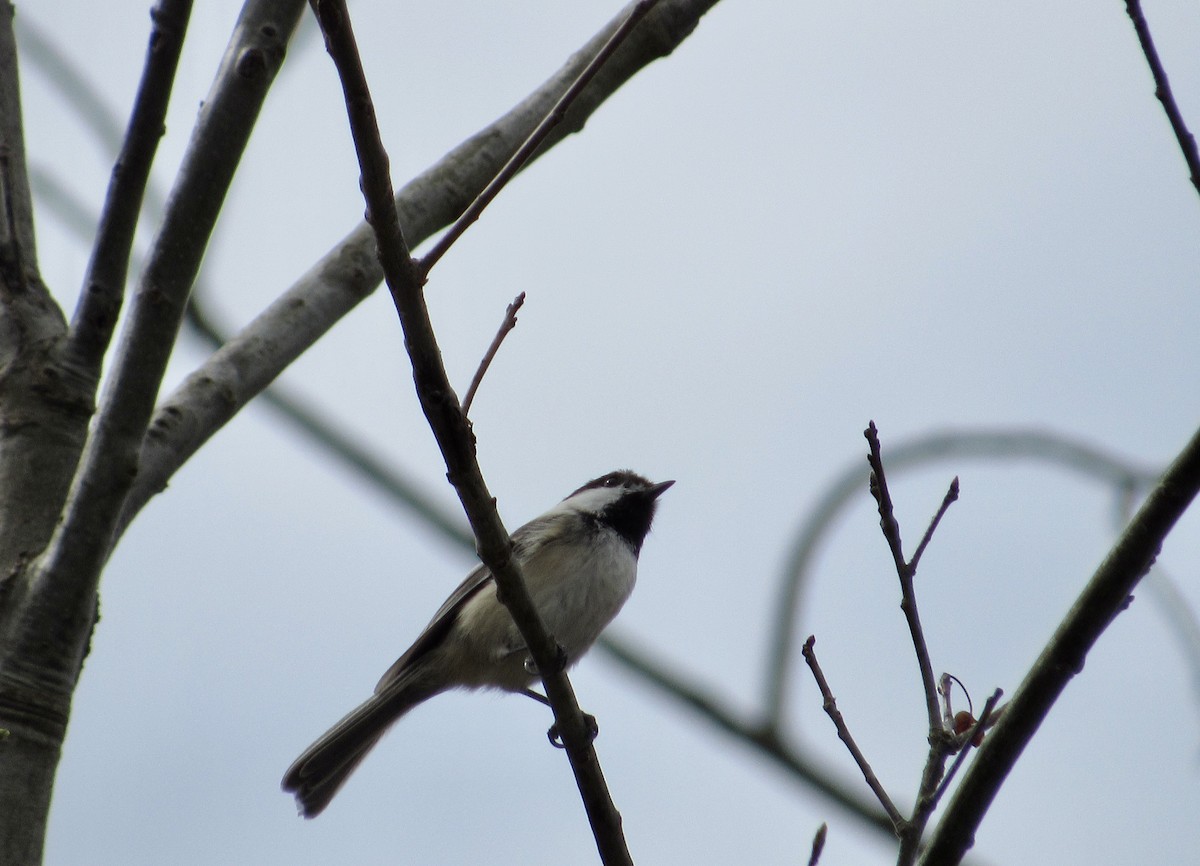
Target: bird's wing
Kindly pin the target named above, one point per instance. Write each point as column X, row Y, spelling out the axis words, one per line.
column 526, row 540
column 436, row 631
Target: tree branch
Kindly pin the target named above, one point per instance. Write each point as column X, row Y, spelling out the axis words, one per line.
column 830, row 706
column 1162, row 90
column 949, row 499
column 1105, row 596
column 454, row 436
column 540, row 133
column 27, row 313
column 1053, row 448
column 510, row 322
column 87, row 103
column 906, row 572
column 766, row 740
column 968, row 740
column 818, row 845
column 104, row 283
column 60, row 598
column 249, row 361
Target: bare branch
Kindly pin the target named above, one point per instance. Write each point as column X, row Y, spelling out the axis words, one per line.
column 510, row 322
column 1106, row 595
column 16, row 230
column 27, row 313
column 539, row 134
column 104, row 283
column 818, row 844
column 62, row 599
column 767, row 741
column 452, row 431
column 251, row 360
column 1053, row 448
column 950, row 498
column 830, row 707
column 905, row 571
column 1162, row 90
column 81, row 220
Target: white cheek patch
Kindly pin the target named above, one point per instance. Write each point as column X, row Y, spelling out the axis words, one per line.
column 593, row 500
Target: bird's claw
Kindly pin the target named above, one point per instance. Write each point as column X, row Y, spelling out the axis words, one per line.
column 555, row 737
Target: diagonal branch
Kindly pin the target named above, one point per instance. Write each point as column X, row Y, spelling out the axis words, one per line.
column 1105, row 596
column 949, row 499
column 405, row 281
column 510, row 322
column 540, row 133
column 843, row 731
column 104, row 283
column 767, row 741
column 968, row 739
column 251, row 360
column 1162, row 90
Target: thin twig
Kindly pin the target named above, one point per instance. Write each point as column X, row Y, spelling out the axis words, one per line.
column 1162, row 90
column 818, row 844
column 767, row 741
column 526, row 150
column 792, row 757
column 950, row 498
column 904, row 570
column 452, row 431
column 510, row 322
column 830, row 706
column 1105, row 596
column 984, row 721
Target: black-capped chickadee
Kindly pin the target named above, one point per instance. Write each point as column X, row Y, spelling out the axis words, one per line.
column 579, row 560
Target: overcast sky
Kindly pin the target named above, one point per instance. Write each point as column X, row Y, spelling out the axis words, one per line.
column 934, row 215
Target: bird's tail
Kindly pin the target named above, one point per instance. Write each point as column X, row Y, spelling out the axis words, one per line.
column 323, row 768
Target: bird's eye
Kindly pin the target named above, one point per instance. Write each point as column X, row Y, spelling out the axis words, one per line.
column 612, row 481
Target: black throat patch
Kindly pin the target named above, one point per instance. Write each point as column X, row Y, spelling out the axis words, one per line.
column 630, row 517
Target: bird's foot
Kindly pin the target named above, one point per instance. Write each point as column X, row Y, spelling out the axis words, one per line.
column 555, row 737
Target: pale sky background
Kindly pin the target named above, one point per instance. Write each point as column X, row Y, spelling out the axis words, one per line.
column 934, row 215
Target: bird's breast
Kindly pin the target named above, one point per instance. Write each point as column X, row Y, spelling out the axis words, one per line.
column 579, row 586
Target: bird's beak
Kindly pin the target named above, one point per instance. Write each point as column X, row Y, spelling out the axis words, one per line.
column 659, row 489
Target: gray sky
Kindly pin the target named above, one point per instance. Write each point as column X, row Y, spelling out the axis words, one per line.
column 931, row 215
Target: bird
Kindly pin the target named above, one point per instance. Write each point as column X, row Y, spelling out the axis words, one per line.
column 579, row 561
